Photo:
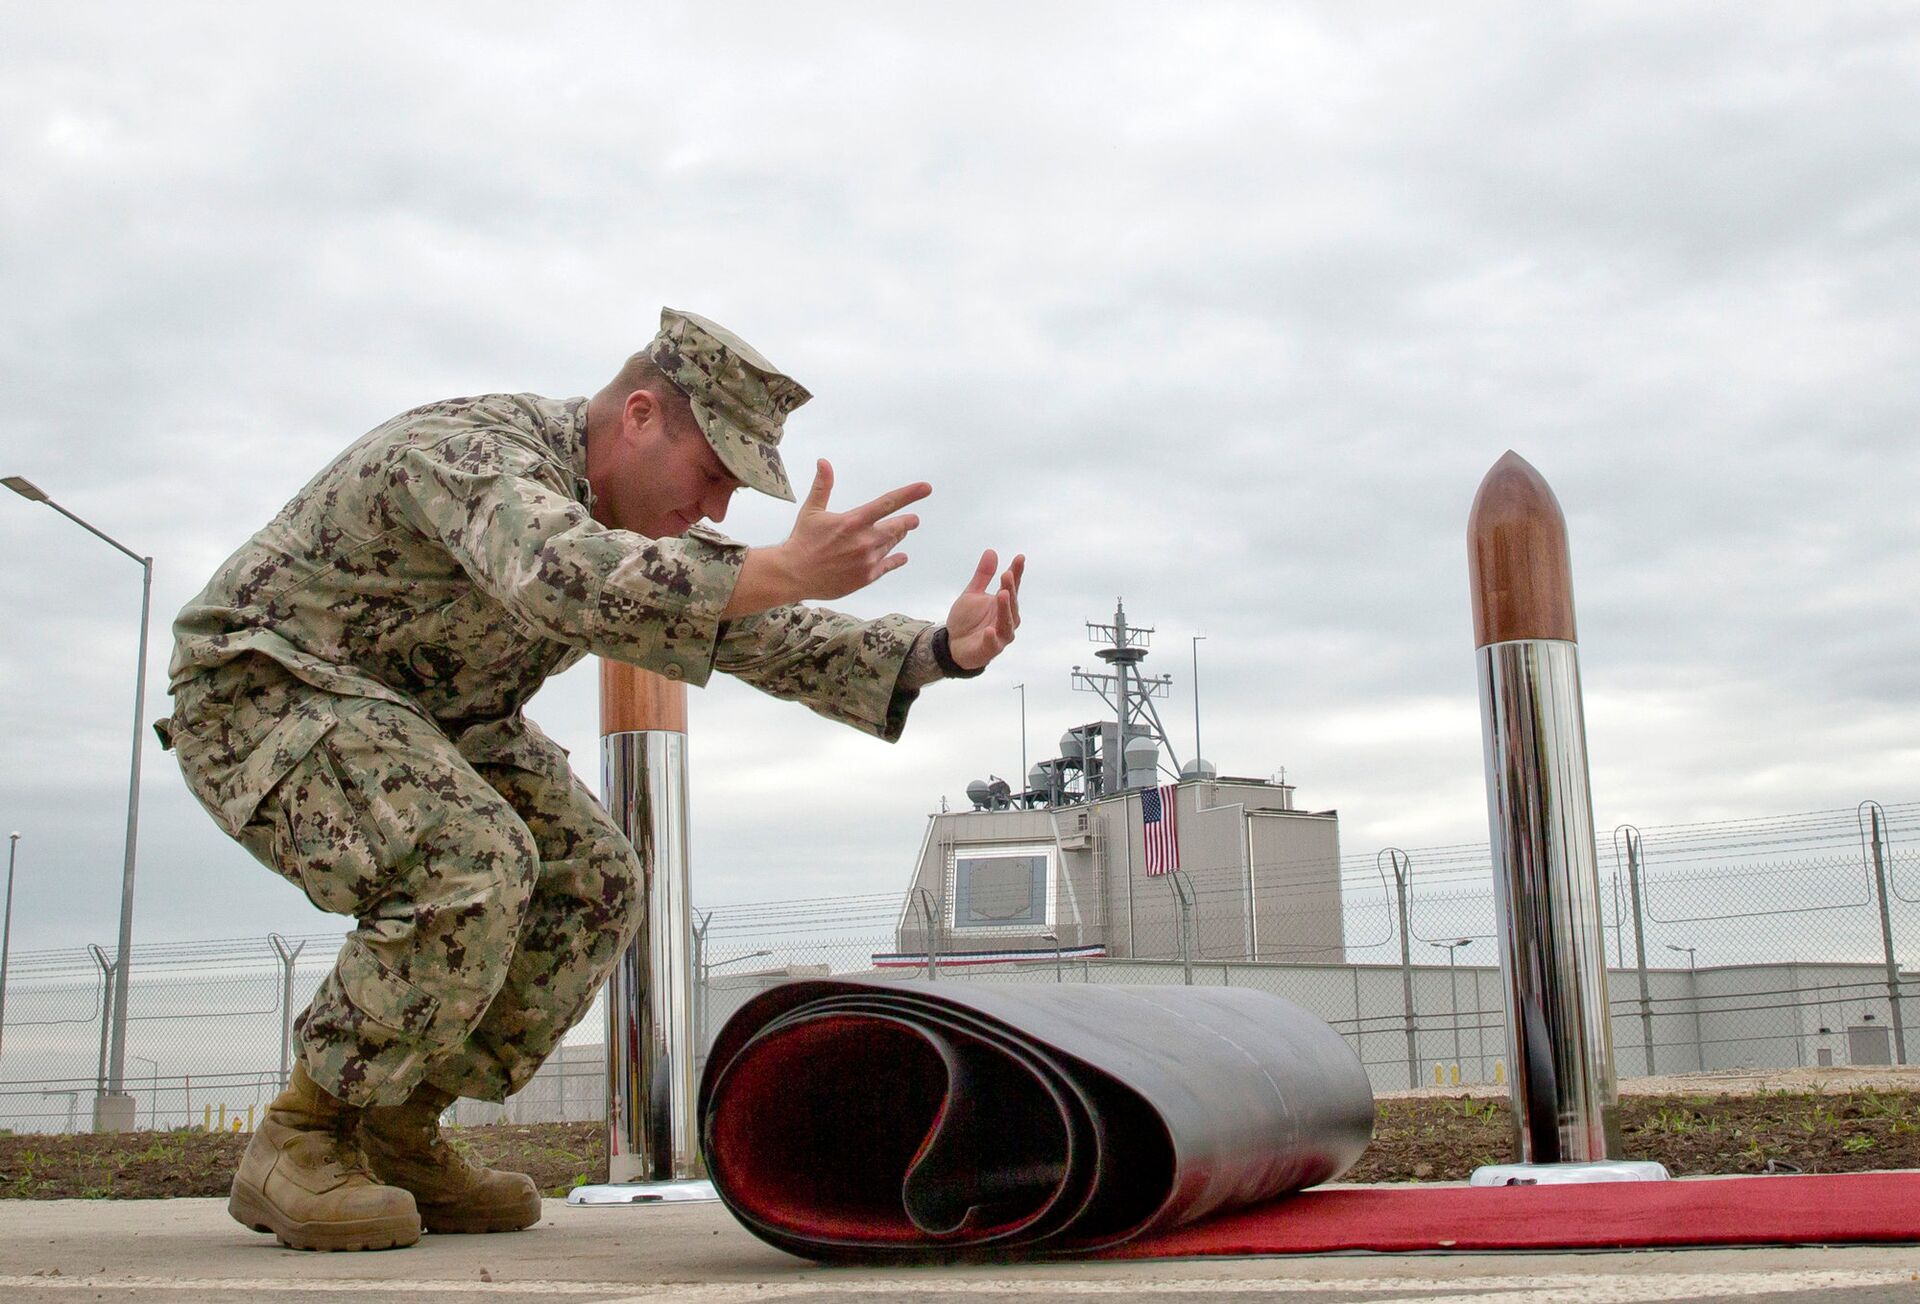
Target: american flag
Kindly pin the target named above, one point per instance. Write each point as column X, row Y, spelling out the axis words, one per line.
column 1163, row 838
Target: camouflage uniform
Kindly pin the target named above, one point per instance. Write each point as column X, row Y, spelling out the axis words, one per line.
column 348, row 692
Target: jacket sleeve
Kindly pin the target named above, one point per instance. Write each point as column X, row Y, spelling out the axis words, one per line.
column 844, row 668
column 506, row 513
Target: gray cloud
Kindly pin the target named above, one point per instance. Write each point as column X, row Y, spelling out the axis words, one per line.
column 1226, row 310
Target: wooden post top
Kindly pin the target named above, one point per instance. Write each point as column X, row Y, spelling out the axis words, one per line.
column 633, row 700
column 1520, row 568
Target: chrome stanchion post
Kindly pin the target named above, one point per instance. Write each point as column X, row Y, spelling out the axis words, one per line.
column 653, row 1148
column 1540, row 816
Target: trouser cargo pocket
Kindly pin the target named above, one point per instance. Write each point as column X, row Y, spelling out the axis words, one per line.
column 369, row 1032
column 317, row 827
column 238, row 731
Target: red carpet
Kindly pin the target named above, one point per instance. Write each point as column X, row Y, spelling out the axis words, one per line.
column 1793, row 1210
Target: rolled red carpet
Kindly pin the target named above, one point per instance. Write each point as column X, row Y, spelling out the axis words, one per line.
column 852, row 1119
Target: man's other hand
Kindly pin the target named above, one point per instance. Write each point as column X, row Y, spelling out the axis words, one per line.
column 981, row 624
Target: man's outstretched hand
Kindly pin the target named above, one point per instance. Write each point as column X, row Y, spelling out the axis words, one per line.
column 981, row 624
column 829, row 554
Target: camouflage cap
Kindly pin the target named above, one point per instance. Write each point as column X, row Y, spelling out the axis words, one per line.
column 737, row 396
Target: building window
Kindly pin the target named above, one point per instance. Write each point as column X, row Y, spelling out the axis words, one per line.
column 1001, row 889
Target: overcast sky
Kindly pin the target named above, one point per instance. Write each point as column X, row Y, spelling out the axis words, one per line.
column 1222, row 308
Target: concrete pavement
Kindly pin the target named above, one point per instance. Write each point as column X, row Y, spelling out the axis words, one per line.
column 172, row 1251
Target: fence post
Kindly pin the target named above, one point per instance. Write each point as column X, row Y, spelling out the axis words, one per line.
column 106, row 1013
column 1402, row 870
column 1639, row 934
column 700, row 1011
column 1183, row 900
column 1875, row 837
column 933, row 942
column 287, row 956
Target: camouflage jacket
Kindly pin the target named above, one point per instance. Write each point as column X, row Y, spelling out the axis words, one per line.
column 448, row 561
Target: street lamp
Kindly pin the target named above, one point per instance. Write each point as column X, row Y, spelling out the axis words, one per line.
column 1026, row 783
column 6, row 933
column 1197, row 753
column 1453, row 989
column 122, row 987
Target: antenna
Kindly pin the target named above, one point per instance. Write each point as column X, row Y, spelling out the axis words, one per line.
column 1129, row 694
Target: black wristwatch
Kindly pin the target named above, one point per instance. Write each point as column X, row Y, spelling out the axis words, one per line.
column 943, row 657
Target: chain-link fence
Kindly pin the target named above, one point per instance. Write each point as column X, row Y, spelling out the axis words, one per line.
column 1761, row 943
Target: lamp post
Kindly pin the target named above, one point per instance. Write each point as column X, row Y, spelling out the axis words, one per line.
column 6, row 934
column 123, row 962
column 1693, row 990
column 1197, row 753
column 1453, row 989
column 1026, row 782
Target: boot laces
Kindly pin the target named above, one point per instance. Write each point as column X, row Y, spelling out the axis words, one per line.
column 419, row 1133
column 345, row 1152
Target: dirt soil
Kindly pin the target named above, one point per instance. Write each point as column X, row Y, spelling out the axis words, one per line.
column 1429, row 1139
column 1844, row 1127
column 189, row 1162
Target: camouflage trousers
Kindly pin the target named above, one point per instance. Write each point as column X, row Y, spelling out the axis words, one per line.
column 492, row 900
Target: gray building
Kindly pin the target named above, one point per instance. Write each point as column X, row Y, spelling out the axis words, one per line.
column 1257, row 880
column 1099, row 856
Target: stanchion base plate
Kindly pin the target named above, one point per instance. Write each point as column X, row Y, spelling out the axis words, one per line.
column 1600, row 1170
column 643, row 1192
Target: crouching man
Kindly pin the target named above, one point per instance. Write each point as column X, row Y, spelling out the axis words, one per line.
column 348, row 693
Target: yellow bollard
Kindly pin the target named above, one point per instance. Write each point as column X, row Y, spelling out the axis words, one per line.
column 206, row 1119
column 223, row 1116
column 1453, row 1074
column 1439, row 1076
column 249, row 1118
column 1499, row 1073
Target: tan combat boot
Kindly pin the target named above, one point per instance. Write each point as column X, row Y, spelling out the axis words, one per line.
column 404, row 1145
column 304, row 1179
